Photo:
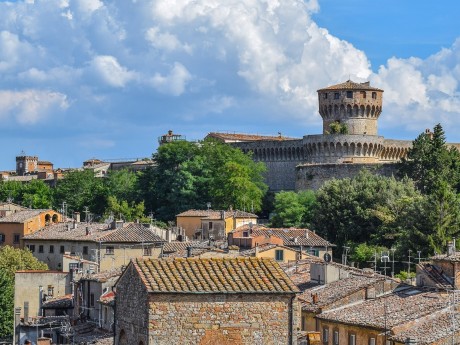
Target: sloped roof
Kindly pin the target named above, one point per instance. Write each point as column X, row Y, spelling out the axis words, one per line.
column 290, row 236
column 107, row 298
column 391, row 310
column 217, row 214
column 132, row 233
column 351, row 85
column 175, row 246
column 61, row 302
column 238, row 137
column 223, row 275
column 22, row 216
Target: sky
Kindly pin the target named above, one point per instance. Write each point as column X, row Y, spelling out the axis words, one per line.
column 83, row 79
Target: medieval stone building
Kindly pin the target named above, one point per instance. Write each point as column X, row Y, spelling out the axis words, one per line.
column 349, row 142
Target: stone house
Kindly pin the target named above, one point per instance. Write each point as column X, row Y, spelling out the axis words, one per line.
column 303, row 240
column 205, row 301
column 205, row 224
column 24, row 222
column 109, row 246
column 7, row 208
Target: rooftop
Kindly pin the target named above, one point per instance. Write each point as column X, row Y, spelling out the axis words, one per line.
column 400, row 306
column 217, row 214
column 61, row 302
column 237, row 137
column 132, row 233
column 351, row 85
column 290, row 236
column 223, row 275
column 22, row 216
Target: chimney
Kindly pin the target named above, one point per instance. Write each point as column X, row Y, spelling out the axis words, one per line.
column 314, row 298
column 222, row 215
column 306, row 233
column 189, row 252
column 87, row 231
column 450, row 248
column 256, row 250
column 76, row 216
column 168, row 235
column 68, row 227
column 74, row 224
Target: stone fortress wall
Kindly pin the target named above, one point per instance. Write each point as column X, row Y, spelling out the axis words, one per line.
column 349, row 142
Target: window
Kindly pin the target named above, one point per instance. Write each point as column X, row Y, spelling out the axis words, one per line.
column 51, row 249
column 325, row 335
column 50, row 290
column 351, row 339
column 16, row 238
column 109, row 250
column 74, row 266
column 92, row 300
column 31, row 247
column 245, row 233
column 336, row 95
column 372, row 341
column 325, row 95
column 336, row 338
column 2, row 238
column 279, row 255
column 62, row 250
column 40, row 248
column 363, row 94
column 304, row 323
column 349, row 94
column 389, row 342
column 147, row 251
column 85, row 250
column 374, row 95
column 210, row 226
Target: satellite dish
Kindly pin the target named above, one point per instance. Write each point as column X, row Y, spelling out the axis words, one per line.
column 327, row 257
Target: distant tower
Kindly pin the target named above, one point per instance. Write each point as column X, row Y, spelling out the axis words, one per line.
column 350, row 112
column 26, row 164
column 355, row 105
column 170, row 137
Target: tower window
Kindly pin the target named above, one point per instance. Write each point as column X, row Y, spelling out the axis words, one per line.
column 349, row 94
column 336, row 95
column 325, row 95
column 363, row 94
column 374, row 95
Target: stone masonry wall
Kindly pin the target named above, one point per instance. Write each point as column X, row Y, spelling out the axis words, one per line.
column 222, row 319
column 313, row 176
column 131, row 313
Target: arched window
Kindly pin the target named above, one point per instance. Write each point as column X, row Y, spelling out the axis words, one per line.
column 55, row 218
column 122, row 338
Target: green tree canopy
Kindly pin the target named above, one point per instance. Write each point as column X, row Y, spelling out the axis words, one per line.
column 430, row 161
column 12, row 260
column 293, row 209
column 32, row 194
column 189, row 175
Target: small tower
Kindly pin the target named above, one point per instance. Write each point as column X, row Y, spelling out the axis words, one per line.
column 26, row 164
column 170, row 137
column 356, row 107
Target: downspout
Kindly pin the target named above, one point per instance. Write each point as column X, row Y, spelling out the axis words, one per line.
column 291, row 320
column 114, row 317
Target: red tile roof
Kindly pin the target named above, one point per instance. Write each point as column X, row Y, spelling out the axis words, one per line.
column 351, row 85
column 22, row 216
column 216, row 214
column 223, row 275
column 237, row 137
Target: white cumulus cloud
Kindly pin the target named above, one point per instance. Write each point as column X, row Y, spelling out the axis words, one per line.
column 110, row 71
column 174, row 83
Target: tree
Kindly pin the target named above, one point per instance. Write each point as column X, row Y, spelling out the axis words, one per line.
column 36, row 194
column 189, row 175
column 123, row 185
column 354, row 210
column 293, row 209
column 429, row 161
column 12, row 260
column 129, row 212
column 79, row 189
column 363, row 254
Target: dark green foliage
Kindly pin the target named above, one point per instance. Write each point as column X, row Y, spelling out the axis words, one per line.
column 189, row 176
column 293, row 209
column 12, row 260
column 429, row 161
column 34, row 194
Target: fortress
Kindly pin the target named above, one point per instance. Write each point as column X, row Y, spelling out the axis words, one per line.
column 349, row 143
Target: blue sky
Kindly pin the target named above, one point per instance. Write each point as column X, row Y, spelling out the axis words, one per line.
column 94, row 78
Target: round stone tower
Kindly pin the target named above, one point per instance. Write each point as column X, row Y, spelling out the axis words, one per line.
column 350, row 108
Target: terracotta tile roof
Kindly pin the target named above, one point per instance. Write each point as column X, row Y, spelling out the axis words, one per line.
column 22, row 216
column 223, row 275
column 333, row 292
column 216, row 214
column 99, row 232
column 61, row 302
column 291, row 236
column 391, row 310
column 351, row 85
column 175, row 246
column 107, row 298
column 237, row 137
column 432, row 328
column 132, row 233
